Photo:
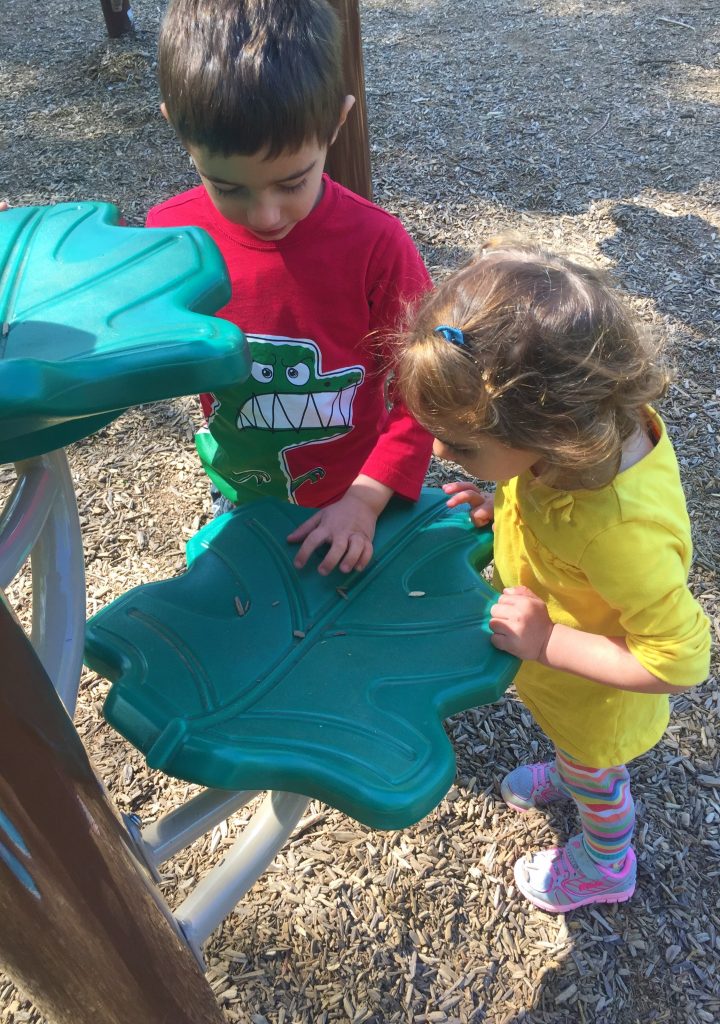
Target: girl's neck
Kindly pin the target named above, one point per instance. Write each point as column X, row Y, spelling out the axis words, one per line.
column 638, row 445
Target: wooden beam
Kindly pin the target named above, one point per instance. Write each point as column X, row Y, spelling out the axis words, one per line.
column 349, row 157
column 118, row 17
column 83, row 931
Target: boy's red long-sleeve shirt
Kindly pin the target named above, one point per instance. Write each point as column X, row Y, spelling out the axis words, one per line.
column 317, row 307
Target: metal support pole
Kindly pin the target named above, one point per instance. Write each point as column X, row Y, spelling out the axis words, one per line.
column 82, row 930
column 40, row 519
column 58, row 576
column 24, row 516
column 216, row 895
column 162, row 839
column 349, row 156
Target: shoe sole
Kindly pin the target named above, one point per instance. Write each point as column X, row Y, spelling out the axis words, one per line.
column 518, row 808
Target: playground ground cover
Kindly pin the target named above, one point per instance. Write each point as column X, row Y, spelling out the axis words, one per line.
column 592, row 128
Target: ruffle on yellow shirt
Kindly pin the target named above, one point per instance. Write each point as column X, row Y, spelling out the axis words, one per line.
column 549, row 502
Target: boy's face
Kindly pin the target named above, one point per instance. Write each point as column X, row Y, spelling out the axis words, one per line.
column 268, row 197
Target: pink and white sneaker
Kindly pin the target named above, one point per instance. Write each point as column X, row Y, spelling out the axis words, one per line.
column 563, row 878
column 533, row 785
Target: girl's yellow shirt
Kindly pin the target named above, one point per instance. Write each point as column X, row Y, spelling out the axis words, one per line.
column 612, row 561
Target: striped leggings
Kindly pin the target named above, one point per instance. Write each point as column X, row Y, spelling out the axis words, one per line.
column 604, row 801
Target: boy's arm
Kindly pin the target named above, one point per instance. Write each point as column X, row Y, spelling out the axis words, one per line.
column 401, row 454
column 399, row 460
column 348, row 526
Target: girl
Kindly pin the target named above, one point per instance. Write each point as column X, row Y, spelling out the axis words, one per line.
column 529, row 371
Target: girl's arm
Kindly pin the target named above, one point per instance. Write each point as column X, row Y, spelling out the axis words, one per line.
column 604, row 659
column 521, row 625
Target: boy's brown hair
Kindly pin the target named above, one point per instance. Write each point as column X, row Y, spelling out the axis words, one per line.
column 551, row 361
column 241, row 76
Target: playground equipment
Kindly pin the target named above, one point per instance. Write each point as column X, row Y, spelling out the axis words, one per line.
column 240, row 675
column 83, row 929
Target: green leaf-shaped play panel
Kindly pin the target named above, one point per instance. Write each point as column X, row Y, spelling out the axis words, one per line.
column 245, row 674
column 96, row 317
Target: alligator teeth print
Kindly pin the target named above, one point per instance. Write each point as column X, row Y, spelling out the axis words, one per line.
column 297, row 411
column 268, row 435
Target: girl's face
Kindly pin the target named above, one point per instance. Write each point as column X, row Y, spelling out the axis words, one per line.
column 487, row 458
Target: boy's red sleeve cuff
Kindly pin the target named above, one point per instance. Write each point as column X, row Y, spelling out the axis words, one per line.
column 401, row 457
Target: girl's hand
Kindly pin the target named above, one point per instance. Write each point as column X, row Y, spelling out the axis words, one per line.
column 482, row 503
column 520, row 624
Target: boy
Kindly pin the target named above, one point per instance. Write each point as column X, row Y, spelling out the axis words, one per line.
column 320, row 277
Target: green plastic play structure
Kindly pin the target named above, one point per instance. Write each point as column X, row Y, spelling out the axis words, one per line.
column 95, row 319
column 242, row 674
column 245, row 674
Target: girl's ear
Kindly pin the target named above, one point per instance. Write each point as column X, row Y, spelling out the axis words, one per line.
column 348, row 104
column 163, row 111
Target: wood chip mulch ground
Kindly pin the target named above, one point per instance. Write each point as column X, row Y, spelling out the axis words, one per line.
column 593, row 128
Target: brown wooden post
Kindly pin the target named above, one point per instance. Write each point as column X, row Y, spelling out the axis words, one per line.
column 118, row 17
column 83, row 931
column 349, row 157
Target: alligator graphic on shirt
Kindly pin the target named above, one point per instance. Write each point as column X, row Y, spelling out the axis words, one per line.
column 285, row 404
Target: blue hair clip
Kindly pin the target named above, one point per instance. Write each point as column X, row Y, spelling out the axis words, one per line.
column 452, row 334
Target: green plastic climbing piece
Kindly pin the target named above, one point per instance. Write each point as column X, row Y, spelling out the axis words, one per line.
column 96, row 317
column 246, row 674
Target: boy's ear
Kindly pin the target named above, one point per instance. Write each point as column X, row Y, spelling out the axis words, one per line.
column 348, row 104
column 163, row 111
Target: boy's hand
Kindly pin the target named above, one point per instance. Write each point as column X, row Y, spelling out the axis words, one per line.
column 4, row 206
column 482, row 503
column 348, row 526
column 520, row 624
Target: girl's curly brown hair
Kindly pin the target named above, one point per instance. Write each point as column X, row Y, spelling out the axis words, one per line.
column 553, row 362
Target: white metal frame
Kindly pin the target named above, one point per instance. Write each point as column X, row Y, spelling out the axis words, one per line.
column 40, row 520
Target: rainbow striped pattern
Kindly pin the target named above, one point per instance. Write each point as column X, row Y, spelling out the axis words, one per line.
column 606, row 807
